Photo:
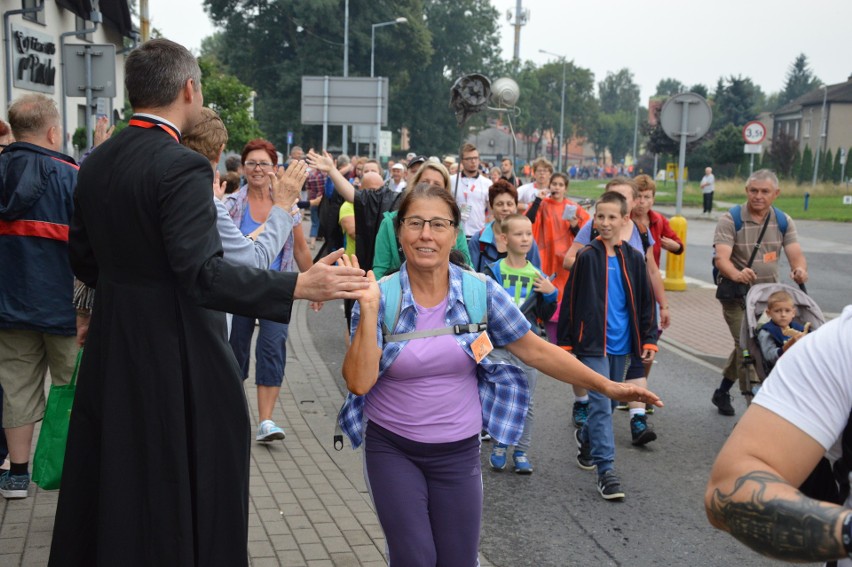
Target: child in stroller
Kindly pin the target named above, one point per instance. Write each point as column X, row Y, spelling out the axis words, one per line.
column 765, row 336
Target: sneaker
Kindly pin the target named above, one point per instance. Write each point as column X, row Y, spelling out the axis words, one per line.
column 622, row 406
column 484, row 436
column 522, row 462
column 14, row 486
column 580, row 414
column 609, row 486
column 498, row 457
column 641, row 431
column 584, row 453
column 268, row 431
column 722, row 400
column 649, row 409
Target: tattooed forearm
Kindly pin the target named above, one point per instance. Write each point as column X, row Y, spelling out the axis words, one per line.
column 778, row 523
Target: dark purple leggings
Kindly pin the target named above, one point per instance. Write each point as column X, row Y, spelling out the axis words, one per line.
column 428, row 497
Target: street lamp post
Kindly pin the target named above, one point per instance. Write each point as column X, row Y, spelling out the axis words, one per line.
column 400, row 20
column 821, row 134
column 561, row 110
column 345, row 134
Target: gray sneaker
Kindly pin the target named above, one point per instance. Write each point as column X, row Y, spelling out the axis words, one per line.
column 14, row 486
column 609, row 486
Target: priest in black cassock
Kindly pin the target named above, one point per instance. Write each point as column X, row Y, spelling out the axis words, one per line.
column 157, row 464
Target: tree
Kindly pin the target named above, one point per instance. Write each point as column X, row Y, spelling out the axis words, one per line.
column 270, row 44
column 668, row 87
column 782, row 154
column 618, row 91
column 726, row 148
column 826, row 167
column 700, row 89
column 800, row 80
column 737, row 101
column 796, row 169
column 806, row 170
column 540, row 102
column 232, row 100
column 837, row 168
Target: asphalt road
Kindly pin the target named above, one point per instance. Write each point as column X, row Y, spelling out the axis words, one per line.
column 555, row 516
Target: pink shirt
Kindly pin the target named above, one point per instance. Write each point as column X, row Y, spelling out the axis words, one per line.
column 430, row 393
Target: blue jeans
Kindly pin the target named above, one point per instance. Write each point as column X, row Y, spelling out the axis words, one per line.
column 315, row 221
column 270, row 351
column 598, row 428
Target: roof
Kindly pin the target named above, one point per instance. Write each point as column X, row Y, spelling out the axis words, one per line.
column 839, row 93
column 116, row 13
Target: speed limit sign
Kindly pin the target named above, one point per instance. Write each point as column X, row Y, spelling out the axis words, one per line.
column 754, row 132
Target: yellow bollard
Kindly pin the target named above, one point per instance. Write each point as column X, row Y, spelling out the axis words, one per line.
column 675, row 263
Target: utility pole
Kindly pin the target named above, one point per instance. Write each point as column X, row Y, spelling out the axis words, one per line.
column 521, row 17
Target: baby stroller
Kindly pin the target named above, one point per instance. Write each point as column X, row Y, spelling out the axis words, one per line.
column 755, row 316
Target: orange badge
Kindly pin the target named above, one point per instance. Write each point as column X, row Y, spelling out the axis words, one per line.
column 770, row 257
column 481, row 346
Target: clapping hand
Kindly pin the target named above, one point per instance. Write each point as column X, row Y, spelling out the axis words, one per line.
column 369, row 296
column 218, row 187
column 102, row 131
column 324, row 163
column 287, row 184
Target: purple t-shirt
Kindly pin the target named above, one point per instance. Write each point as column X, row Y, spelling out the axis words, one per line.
column 430, row 393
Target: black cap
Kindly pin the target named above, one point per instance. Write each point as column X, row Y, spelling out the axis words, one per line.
column 416, row 160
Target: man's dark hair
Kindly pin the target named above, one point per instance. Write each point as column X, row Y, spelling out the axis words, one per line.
column 156, row 71
column 233, row 163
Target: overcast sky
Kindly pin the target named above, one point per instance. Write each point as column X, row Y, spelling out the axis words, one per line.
column 692, row 41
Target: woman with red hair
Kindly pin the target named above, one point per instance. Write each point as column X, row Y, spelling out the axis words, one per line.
column 248, row 208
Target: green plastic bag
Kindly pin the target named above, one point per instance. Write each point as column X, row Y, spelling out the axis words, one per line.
column 50, row 450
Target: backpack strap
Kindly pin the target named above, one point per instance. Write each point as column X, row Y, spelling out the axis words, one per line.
column 474, row 295
column 643, row 236
column 780, row 217
column 392, row 293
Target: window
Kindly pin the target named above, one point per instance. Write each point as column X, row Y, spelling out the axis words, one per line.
column 796, row 130
column 806, row 129
column 79, row 25
column 37, row 17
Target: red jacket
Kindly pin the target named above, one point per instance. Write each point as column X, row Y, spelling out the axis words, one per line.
column 660, row 227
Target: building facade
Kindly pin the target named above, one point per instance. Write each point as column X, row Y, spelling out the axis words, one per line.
column 34, row 35
column 803, row 119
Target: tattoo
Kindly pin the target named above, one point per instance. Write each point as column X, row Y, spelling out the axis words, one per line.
column 795, row 528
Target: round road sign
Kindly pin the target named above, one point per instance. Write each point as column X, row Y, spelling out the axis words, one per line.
column 699, row 116
column 754, row 132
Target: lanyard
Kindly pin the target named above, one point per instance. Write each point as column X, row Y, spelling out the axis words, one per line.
column 141, row 123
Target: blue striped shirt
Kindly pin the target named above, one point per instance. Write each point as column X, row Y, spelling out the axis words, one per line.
column 503, row 388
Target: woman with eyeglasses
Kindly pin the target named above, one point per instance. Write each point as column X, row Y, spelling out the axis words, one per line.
column 423, row 386
column 388, row 252
column 249, row 208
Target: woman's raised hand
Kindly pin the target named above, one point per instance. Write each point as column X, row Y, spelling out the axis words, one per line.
column 287, row 184
column 367, row 297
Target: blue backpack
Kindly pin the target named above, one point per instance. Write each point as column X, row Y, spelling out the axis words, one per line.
column 737, row 214
column 474, row 293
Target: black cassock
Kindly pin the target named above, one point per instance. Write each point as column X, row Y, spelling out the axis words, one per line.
column 157, row 464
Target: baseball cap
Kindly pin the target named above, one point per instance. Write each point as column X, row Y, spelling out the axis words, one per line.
column 410, row 156
column 416, row 160
column 398, row 166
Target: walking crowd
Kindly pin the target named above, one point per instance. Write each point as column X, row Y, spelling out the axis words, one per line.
column 138, row 253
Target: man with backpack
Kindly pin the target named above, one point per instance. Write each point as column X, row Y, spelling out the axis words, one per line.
column 756, row 233
column 758, row 490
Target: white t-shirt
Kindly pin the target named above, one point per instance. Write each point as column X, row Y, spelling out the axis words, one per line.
column 472, row 198
column 810, row 387
column 711, row 183
column 527, row 193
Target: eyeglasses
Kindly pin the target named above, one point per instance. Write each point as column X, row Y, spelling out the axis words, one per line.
column 416, row 224
column 251, row 164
